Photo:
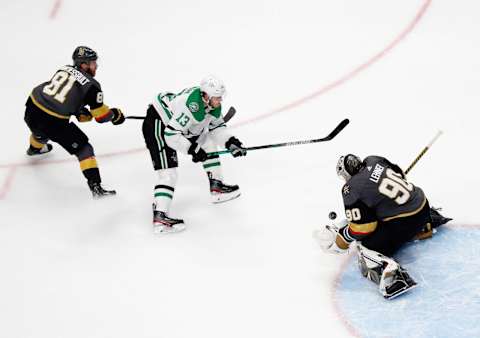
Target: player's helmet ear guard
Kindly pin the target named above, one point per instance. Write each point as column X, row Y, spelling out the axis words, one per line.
column 83, row 54
column 213, row 86
column 348, row 165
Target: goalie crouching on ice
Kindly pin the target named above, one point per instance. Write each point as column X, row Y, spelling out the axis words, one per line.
column 383, row 212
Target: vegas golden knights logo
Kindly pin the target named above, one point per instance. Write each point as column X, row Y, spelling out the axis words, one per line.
column 81, row 52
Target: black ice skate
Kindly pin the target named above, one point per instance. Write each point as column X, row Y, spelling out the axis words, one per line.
column 98, row 191
column 162, row 224
column 402, row 282
column 222, row 192
column 31, row 151
column 437, row 218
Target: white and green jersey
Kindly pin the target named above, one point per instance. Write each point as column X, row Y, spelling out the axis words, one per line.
column 185, row 115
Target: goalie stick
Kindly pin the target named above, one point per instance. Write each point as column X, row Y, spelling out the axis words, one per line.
column 329, row 137
column 227, row 117
column 437, row 135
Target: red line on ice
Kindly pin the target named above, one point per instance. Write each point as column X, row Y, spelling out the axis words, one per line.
column 350, row 75
column 55, row 8
column 7, row 182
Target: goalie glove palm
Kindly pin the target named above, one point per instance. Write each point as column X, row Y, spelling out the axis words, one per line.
column 236, row 147
column 326, row 238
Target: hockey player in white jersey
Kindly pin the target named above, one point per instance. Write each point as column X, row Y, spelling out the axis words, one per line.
column 189, row 122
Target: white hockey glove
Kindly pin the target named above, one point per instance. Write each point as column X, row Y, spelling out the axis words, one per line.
column 326, row 238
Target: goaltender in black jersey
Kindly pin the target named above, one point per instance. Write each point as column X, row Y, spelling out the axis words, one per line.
column 383, row 211
column 52, row 103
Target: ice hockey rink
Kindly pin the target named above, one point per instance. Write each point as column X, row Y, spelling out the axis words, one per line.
column 400, row 71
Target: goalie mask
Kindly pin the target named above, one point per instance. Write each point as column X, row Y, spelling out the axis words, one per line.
column 348, row 165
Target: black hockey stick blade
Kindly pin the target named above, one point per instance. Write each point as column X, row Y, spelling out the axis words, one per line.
column 135, row 117
column 337, row 129
column 230, row 113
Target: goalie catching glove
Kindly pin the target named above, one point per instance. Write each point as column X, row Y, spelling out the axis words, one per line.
column 327, row 239
column 236, row 147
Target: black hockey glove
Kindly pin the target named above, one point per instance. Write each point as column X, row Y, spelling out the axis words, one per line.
column 236, row 147
column 118, row 117
column 84, row 115
column 198, row 156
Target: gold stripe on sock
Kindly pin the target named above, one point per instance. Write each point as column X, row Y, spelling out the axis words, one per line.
column 34, row 143
column 88, row 163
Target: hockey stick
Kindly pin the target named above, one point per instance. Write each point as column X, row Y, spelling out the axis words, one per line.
column 423, row 151
column 228, row 116
column 133, row 117
column 329, row 137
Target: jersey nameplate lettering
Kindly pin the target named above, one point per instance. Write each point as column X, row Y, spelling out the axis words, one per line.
column 377, row 173
column 82, row 79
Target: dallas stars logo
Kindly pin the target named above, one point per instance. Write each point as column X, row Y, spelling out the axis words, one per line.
column 346, row 189
column 193, row 106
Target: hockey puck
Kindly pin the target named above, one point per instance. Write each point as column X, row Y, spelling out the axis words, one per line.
column 332, row 215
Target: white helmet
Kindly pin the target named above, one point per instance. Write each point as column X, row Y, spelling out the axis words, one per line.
column 213, row 86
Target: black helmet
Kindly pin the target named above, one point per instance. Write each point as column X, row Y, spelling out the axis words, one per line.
column 348, row 165
column 83, row 54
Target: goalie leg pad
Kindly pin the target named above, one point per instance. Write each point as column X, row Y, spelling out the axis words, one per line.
column 391, row 278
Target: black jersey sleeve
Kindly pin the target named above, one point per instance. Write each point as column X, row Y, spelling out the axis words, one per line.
column 362, row 220
column 94, row 99
column 395, row 168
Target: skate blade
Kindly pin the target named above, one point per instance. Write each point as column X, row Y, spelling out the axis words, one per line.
column 99, row 197
column 221, row 198
column 163, row 229
column 401, row 292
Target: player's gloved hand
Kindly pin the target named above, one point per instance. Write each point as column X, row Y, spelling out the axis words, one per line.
column 84, row 115
column 326, row 238
column 118, row 117
column 197, row 155
column 236, row 147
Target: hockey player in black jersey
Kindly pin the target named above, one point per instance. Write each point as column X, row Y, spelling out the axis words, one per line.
column 383, row 211
column 51, row 104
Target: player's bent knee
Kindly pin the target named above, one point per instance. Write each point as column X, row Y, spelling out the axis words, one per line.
column 85, row 152
column 167, row 176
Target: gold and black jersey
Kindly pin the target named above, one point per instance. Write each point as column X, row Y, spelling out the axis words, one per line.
column 67, row 92
column 379, row 193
